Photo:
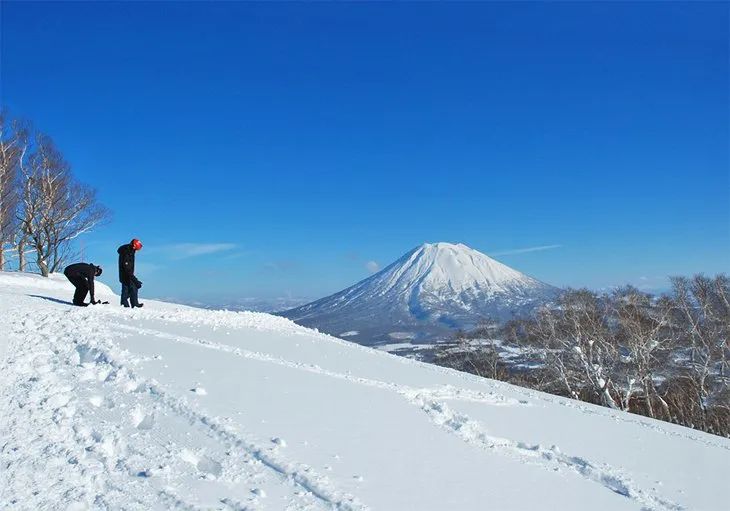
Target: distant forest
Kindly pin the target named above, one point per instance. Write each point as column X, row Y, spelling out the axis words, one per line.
column 665, row 357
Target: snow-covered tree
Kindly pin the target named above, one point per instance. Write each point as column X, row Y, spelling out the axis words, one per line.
column 700, row 314
column 578, row 346
column 642, row 331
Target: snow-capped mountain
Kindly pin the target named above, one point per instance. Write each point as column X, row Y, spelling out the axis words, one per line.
column 430, row 291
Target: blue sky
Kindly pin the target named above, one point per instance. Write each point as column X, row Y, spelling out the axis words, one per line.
column 275, row 149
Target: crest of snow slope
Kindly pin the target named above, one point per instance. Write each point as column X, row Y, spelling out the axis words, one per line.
column 170, row 407
column 432, row 288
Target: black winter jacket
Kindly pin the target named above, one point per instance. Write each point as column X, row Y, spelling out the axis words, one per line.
column 83, row 270
column 126, row 264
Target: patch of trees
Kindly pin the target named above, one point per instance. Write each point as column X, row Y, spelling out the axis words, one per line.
column 43, row 208
column 665, row 357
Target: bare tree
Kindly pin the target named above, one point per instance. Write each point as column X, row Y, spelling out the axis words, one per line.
column 23, row 135
column 701, row 318
column 476, row 353
column 643, row 334
column 55, row 208
column 11, row 149
column 578, row 346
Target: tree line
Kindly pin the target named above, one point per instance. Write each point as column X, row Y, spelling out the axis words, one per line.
column 666, row 357
column 43, row 207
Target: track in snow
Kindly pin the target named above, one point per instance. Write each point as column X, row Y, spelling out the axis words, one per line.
column 108, row 437
column 111, row 463
column 432, row 402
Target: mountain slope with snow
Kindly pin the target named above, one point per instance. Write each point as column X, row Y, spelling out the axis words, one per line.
column 171, row 407
column 430, row 291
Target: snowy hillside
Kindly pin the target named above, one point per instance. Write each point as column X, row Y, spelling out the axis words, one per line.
column 430, row 291
column 170, row 407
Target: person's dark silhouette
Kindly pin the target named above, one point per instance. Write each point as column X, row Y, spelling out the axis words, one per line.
column 130, row 283
column 81, row 275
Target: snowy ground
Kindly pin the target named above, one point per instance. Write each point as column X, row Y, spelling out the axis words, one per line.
column 170, row 407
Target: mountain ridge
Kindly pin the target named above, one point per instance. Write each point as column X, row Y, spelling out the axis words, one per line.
column 428, row 292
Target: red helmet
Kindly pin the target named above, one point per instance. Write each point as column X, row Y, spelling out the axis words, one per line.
column 136, row 244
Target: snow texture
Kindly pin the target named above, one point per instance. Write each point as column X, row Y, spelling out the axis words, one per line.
column 429, row 292
column 171, row 407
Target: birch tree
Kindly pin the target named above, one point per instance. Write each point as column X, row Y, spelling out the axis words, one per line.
column 578, row 345
column 11, row 147
column 701, row 317
column 642, row 331
column 55, row 208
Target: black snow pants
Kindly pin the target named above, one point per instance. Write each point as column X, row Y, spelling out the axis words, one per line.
column 129, row 294
column 82, row 289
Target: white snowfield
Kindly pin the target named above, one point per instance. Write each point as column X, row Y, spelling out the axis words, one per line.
column 171, row 407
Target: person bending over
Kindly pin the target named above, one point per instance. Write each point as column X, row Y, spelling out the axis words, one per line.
column 82, row 276
column 130, row 283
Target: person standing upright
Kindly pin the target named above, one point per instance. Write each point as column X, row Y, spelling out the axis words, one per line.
column 130, row 283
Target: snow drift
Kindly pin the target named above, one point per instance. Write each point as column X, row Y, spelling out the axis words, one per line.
column 429, row 292
column 170, row 407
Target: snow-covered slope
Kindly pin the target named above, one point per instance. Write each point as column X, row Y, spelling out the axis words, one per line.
column 170, row 407
column 430, row 291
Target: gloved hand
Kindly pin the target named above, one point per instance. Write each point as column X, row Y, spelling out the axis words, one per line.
column 138, row 284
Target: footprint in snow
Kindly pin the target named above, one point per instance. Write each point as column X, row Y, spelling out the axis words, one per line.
column 278, row 441
column 199, row 391
column 203, row 463
column 58, row 401
column 142, row 420
column 258, row 492
column 209, row 466
column 189, row 456
column 130, row 385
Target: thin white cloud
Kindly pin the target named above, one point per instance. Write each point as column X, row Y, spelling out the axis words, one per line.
column 526, row 250
column 186, row 250
column 372, row 266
